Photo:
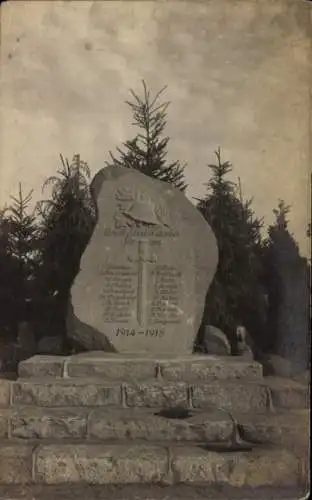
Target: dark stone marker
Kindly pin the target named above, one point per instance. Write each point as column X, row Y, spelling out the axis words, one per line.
column 146, row 270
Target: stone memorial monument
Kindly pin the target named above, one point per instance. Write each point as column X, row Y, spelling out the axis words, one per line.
column 146, row 270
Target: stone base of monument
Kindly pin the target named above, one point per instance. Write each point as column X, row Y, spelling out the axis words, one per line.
column 156, row 425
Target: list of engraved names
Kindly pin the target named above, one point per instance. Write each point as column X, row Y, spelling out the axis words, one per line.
column 165, row 295
column 119, row 293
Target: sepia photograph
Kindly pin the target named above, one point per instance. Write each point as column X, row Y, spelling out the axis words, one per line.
column 155, row 249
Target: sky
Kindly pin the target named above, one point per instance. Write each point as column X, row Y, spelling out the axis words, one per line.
column 237, row 74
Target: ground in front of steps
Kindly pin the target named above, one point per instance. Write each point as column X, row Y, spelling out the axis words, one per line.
column 147, row 492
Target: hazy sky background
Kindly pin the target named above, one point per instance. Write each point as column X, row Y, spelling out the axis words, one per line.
column 238, row 76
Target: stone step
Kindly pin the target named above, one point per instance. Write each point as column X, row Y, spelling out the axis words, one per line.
column 148, row 463
column 283, row 428
column 114, row 424
column 240, row 395
column 117, row 367
column 78, row 491
column 290, row 428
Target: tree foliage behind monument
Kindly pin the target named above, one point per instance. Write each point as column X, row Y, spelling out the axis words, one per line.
column 19, row 262
column 288, row 283
column 236, row 296
column 67, row 219
column 147, row 151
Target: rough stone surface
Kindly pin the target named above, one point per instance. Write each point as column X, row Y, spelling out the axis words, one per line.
column 42, row 366
column 136, row 424
column 114, row 424
column 240, row 396
column 289, row 428
column 15, row 463
column 33, row 423
column 122, row 367
column 148, row 463
column 146, row 270
column 216, row 342
column 270, row 467
column 202, row 367
column 5, row 390
column 104, row 464
column 64, row 393
column 162, row 395
column 4, row 423
column 100, row 464
column 111, row 366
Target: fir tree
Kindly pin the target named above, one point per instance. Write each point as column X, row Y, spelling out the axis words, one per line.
column 4, row 232
column 23, row 232
column 9, row 280
column 236, row 295
column 280, row 243
column 67, row 220
column 147, row 151
column 19, row 260
column 284, row 264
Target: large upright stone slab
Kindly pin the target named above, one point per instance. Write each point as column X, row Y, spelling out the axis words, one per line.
column 146, row 270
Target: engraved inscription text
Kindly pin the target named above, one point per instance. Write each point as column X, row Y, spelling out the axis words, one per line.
column 119, row 293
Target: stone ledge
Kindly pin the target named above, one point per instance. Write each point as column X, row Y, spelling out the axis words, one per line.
column 285, row 428
column 117, row 367
column 239, row 396
column 113, row 424
column 232, row 396
column 157, row 394
column 257, row 468
column 42, row 366
column 146, row 464
column 208, row 367
column 56, row 393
